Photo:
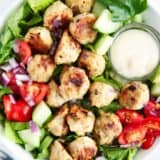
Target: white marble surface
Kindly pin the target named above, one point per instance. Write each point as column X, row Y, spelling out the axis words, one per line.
column 152, row 17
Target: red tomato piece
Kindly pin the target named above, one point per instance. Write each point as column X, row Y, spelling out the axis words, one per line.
column 19, row 111
column 152, row 109
column 127, row 116
column 23, row 49
column 33, row 91
column 132, row 134
column 153, row 126
column 149, row 141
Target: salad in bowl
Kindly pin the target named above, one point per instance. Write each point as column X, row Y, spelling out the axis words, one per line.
column 80, row 80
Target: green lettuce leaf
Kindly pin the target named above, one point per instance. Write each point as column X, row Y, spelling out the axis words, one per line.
column 22, row 13
column 5, row 52
column 16, row 26
column 39, row 5
column 4, row 90
column 118, row 153
column 124, row 10
column 70, row 137
column 113, row 107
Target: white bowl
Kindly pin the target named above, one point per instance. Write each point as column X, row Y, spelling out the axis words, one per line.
column 152, row 17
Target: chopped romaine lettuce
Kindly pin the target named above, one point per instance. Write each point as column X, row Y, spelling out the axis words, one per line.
column 21, row 14
column 39, row 5
column 124, row 10
column 70, row 137
column 108, row 81
column 118, row 153
column 113, row 107
column 17, row 25
column 4, row 90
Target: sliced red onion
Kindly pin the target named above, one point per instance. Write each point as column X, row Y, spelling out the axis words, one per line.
column 6, row 67
column 19, row 70
column 22, row 65
column 22, row 77
column 30, row 101
column 12, row 99
column 126, row 145
column 13, row 63
column 4, row 79
column 18, row 82
column 33, row 126
column 130, row 145
column 15, row 46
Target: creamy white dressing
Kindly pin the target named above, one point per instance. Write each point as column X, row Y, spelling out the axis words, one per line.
column 134, row 53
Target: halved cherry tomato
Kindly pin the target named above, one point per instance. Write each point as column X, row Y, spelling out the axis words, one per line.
column 34, row 91
column 24, row 50
column 132, row 134
column 152, row 109
column 19, row 111
column 148, row 142
column 153, row 126
column 127, row 116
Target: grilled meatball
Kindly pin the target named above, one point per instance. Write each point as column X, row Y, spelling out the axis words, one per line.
column 40, row 68
column 57, row 15
column 82, row 5
column 107, row 128
column 81, row 28
column 39, row 38
column 134, row 95
column 68, row 49
column 83, row 148
column 57, row 126
column 93, row 63
column 101, row 94
column 54, row 97
column 58, row 152
column 74, row 83
column 80, row 120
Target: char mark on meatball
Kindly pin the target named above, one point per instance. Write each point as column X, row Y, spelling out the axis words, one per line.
column 76, row 79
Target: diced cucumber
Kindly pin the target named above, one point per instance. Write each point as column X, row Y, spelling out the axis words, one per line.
column 156, row 77
column 155, row 90
column 138, row 18
column 29, row 147
column 41, row 113
column 43, row 155
column 19, row 125
column 38, row 5
column 11, row 134
column 103, row 44
column 104, row 23
column 30, row 138
column 98, row 7
column 46, row 142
